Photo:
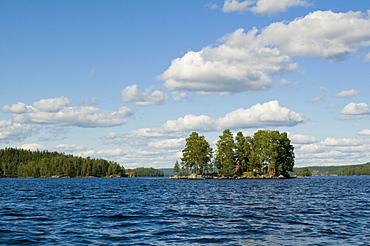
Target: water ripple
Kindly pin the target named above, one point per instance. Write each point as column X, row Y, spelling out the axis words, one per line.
column 152, row 211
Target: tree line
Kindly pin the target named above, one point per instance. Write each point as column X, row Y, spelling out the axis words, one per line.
column 144, row 172
column 267, row 152
column 20, row 163
column 355, row 170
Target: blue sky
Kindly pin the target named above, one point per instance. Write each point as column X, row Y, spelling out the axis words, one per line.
column 129, row 80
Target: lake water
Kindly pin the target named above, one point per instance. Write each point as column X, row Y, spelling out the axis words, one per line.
column 157, row 211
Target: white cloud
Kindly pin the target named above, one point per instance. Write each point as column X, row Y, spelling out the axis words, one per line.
column 271, row 7
column 179, row 95
column 240, row 63
column 332, row 151
column 347, row 93
column 15, row 132
column 365, row 132
column 261, row 115
column 132, row 94
column 18, row 108
column 302, row 139
column 244, row 61
column 69, row 147
column 268, row 7
column 321, row 34
column 51, row 105
column 235, row 5
column 211, row 6
column 269, row 114
column 342, row 142
column 356, row 109
column 55, row 112
column 32, row 147
column 177, row 143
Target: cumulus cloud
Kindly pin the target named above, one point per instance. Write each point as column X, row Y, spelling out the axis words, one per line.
column 302, row 139
column 322, row 34
column 333, row 151
column 147, row 97
column 15, row 132
column 269, row 114
column 347, row 93
column 365, row 132
column 56, row 112
column 268, row 7
column 32, row 146
column 177, row 143
column 51, row 105
column 271, row 7
column 244, row 61
column 235, row 5
column 240, row 63
column 356, row 109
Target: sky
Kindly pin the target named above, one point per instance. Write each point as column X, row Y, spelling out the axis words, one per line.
column 128, row 81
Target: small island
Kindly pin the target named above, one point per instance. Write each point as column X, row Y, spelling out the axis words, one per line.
column 268, row 154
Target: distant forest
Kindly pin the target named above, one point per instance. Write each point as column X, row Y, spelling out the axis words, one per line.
column 20, row 163
column 145, row 172
column 348, row 170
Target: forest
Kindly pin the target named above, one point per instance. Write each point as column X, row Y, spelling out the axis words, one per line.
column 268, row 153
column 144, row 172
column 355, row 170
column 20, row 163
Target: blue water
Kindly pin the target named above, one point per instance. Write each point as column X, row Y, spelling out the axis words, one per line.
column 157, row 211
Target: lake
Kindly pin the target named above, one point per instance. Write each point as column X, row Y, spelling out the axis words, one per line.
column 158, row 211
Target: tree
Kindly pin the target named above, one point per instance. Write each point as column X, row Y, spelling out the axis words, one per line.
column 197, row 154
column 177, row 168
column 272, row 152
column 224, row 160
column 304, row 172
column 243, row 149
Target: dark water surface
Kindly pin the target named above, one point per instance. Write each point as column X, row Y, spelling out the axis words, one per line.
column 152, row 211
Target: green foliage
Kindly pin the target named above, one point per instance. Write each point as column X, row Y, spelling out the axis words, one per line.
column 355, row 170
column 197, row 154
column 145, row 172
column 304, row 172
column 224, row 160
column 272, row 151
column 20, row 163
column 268, row 151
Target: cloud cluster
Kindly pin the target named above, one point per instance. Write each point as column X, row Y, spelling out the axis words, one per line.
column 355, row 110
column 56, row 112
column 268, row 7
column 269, row 114
column 243, row 61
column 322, row 34
column 15, row 132
column 239, row 64
column 147, row 97
column 332, row 151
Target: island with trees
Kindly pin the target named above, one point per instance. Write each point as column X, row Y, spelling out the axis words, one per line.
column 268, row 154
